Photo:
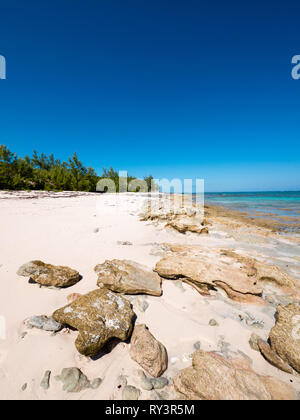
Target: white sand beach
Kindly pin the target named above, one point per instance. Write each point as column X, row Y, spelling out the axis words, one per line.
column 83, row 230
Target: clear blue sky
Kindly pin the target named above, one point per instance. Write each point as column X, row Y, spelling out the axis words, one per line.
column 175, row 88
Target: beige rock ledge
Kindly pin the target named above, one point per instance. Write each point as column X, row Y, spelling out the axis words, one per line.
column 242, row 278
column 214, row 377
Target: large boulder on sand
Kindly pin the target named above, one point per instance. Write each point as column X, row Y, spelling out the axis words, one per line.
column 214, row 377
column 49, row 275
column 128, row 277
column 285, row 335
column 98, row 316
column 149, row 353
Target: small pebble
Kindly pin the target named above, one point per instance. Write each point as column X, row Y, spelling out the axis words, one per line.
column 130, row 393
column 45, row 383
column 213, row 323
column 159, row 383
column 197, row 345
column 96, row 383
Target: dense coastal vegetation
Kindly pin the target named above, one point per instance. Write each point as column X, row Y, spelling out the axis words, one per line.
column 42, row 172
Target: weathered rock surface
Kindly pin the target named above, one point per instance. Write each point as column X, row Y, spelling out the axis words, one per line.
column 204, row 275
column 185, row 224
column 128, row 277
column 285, row 335
column 149, row 353
column 242, row 278
column 272, row 357
column 73, row 380
column 98, row 316
column 181, row 216
column 49, row 275
column 262, row 272
column 213, row 377
column 45, row 323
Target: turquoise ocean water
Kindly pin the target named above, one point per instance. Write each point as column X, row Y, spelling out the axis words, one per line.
column 274, row 205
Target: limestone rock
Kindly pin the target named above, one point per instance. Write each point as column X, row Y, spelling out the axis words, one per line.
column 184, row 225
column 285, row 335
column 98, row 316
column 149, row 353
column 272, row 357
column 45, row 323
column 73, row 380
column 240, row 297
column 262, row 272
column 214, row 377
column 128, row 277
column 242, row 278
column 205, row 275
column 49, row 275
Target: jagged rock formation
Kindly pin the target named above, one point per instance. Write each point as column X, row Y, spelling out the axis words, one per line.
column 179, row 213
